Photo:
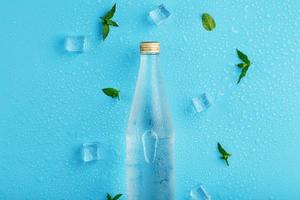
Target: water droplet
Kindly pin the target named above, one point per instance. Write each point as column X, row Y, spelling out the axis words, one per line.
column 234, row 30
column 149, row 140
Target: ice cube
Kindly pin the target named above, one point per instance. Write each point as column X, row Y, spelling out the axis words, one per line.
column 90, row 151
column 199, row 193
column 201, row 103
column 159, row 14
column 76, row 43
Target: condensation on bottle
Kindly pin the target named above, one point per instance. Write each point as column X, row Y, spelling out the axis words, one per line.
column 150, row 137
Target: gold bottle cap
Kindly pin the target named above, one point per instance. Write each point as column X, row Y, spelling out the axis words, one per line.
column 149, row 47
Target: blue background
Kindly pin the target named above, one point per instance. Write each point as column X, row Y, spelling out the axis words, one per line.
column 51, row 100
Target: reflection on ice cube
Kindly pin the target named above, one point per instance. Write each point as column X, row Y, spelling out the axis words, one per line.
column 201, row 103
column 199, row 193
column 90, row 151
column 76, row 43
column 159, row 14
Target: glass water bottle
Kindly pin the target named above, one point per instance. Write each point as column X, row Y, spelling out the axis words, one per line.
column 150, row 137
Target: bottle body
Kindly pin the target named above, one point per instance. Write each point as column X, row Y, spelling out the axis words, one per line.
column 150, row 138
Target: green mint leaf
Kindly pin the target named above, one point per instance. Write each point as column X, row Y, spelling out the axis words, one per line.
column 243, row 73
column 111, row 22
column 225, row 158
column 242, row 65
column 110, row 13
column 243, row 57
column 208, row 22
column 117, row 197
column 105, row 31
column 221, row 150
column 112, row 92
column 106, row 22
column 224, row 154
column 108, row 197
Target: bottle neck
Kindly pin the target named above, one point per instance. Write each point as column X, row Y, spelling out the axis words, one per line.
column 149, row 59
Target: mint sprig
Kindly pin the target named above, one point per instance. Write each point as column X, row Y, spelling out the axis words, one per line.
column 111, row 92
column 107, row 22
column 244, row 65
column 224, row 154
column 108, row 197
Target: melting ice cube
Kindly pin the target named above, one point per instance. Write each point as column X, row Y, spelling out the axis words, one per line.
column 159, row 14
column 201, row 103
column 90, row 151
column 76, row 43
column 199, row 193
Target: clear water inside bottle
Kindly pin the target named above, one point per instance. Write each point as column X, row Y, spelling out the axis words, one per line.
column 150, row 138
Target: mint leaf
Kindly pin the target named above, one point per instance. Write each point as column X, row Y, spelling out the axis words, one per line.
column 243, row 73
column 243, row 57
column 244, row 66
column 108, row 197
column 105, row 31
column 110, row 13
column 112, row 92
column 111, row 22
column 117, row 197
column 224, row 153
column 208, row 22
column 106, row 22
